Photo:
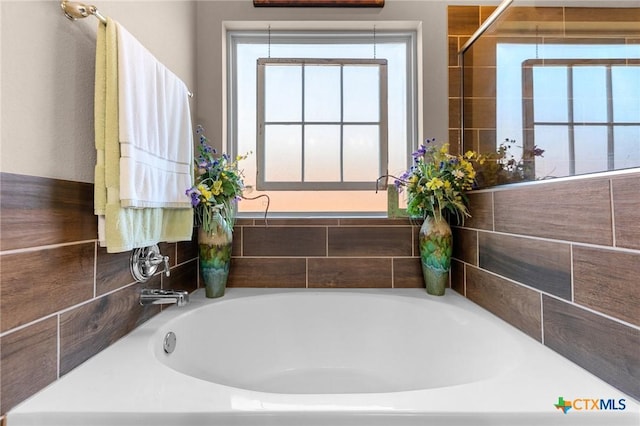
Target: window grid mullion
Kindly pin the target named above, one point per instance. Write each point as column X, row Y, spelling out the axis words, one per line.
column 610, row 141
column 303, row 127
column 341, row 123
column 571, row 117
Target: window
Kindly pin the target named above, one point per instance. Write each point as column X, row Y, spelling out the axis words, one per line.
column 343, row 187
column 576, row 101
column 589, row 109
column 322, row 124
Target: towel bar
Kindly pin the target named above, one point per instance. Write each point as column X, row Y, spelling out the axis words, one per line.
column 75, row 10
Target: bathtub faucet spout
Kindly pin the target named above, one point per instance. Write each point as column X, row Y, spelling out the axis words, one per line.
column 154, row 296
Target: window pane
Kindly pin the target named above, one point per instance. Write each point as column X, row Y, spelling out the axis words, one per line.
column 322, row 93
column 589, row 94
column 325, row 148
column 626, row 146
column 397, row 132
column 361, row 93
column 550, row 94
column 283, row 93
column 322, row 153
column 283, row 153
column 626, row 93
column 555, row 162
column 361, row 153
column 246, row 47
column 591, row 149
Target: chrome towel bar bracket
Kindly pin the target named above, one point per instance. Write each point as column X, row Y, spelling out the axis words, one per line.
column 75, row 10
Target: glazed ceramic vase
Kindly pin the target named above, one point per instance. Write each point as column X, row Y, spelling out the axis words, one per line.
column 436, row 244
column 214, row 259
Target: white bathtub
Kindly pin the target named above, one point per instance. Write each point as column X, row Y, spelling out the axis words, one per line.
column 325, row 357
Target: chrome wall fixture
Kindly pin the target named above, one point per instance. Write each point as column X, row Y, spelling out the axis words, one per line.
column 145, row 262
column 75, row 10
column 156, row 296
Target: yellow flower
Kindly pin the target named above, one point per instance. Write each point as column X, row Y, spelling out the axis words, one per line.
column 469, row 155
column 217, row 187
column 434, row 184
column 469, row 167
column 205, row 192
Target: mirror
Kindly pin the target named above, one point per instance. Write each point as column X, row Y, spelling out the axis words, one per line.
column 552, row 92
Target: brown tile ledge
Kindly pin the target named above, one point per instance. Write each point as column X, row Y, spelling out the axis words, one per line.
column 329, row 221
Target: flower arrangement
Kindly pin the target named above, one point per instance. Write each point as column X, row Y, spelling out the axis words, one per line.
column 218, row 186
column 437, row 181
column 501, row 167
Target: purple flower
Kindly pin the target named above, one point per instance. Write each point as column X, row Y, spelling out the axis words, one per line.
column 420, row 152
column 194, row 194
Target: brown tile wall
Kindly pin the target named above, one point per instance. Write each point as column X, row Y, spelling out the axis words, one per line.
column 62, row 298
column 320, row 253
column 574, row 289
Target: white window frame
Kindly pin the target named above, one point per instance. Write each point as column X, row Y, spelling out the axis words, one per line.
column 381, row 123
column 408, row 33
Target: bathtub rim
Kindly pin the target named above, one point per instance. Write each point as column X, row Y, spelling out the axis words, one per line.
column 58, row 403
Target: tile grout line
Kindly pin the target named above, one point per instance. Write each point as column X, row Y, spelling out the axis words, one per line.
column 95, row 270
column 557, row 241
column 493, row 212
column 556, row 297
column 541, row 319
column 613, row 215
column 58, row 340
column 464, row 279
column 573, row 293
column 393, row 275
column 45, row 247
column 64, row 310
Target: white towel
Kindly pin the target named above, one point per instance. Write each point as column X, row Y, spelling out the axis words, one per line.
column 122, row 229
column 156, row 137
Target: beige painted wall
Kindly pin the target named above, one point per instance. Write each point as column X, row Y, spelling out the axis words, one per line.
column 47, row 73
column 47, row 69
column 431, row 13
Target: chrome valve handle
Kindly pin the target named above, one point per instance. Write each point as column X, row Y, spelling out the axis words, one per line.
column 145, row 261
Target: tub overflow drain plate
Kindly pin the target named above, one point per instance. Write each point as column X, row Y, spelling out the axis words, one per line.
column 169, row 342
